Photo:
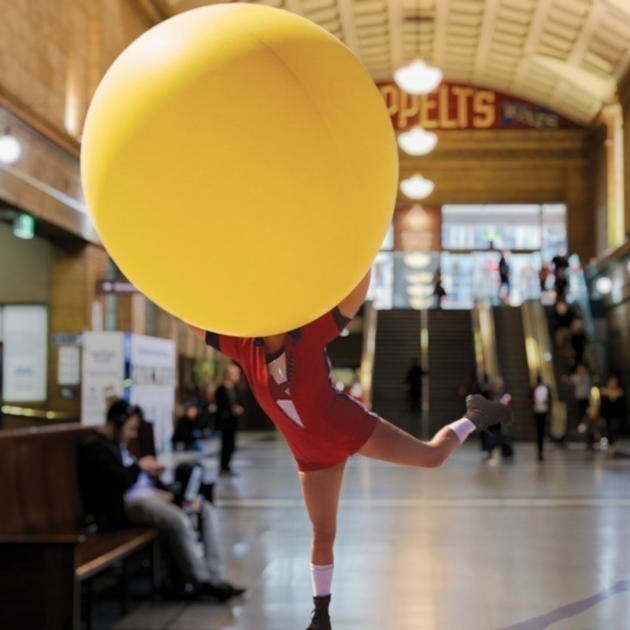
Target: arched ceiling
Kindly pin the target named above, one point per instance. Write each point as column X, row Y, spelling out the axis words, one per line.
column 567, row 55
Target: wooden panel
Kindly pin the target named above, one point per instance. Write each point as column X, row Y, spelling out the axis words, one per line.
column 75, row 272
column 44, row 595
column 56, row 58
column 521, row 166
column 39, row 469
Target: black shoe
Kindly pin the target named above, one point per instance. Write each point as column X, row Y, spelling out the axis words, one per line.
column 484, row 413
column 179, row 592
column 221, row 591
column 320, row 620
column 235, row 591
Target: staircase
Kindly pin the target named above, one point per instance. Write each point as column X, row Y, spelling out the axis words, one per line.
column 510, row 340
column 397, row 343
column 451, row 359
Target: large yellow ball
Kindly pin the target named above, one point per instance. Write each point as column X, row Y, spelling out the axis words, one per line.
column 240, row 167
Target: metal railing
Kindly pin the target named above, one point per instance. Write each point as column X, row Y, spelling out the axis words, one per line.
column 366, row 373
column 539, row 352
column 484, row 337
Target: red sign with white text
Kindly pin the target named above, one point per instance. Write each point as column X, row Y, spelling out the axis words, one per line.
column 453, row 106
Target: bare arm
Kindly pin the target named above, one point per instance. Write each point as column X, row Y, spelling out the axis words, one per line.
column 198, row 331
column 351, row 304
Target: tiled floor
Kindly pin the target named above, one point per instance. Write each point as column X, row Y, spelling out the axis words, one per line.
column 471, row 546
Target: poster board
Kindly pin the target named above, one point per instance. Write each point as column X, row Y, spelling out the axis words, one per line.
column 138, row 368
column 25, row 353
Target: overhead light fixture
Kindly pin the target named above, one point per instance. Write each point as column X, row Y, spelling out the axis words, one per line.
column 603, row 285
column 417, row 187
column 419, row 290
column 417, row 141
column 10, row 148
column 418, row 77
column 419, row 277
column 24, row 226
column 417, row 260
column 419, row 303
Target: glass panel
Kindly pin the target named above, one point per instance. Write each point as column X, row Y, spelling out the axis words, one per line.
column 414, row 279
column 513, row 226
column 554, row 230
column 407, row 279
column 382, row 282
column 458, row 279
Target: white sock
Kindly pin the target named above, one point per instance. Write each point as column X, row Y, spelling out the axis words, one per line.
column 462, row 428
column 321, row 576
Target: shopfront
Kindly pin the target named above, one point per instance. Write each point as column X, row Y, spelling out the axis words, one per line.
column 463, row 242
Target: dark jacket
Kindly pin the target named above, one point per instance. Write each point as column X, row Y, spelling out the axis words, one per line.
column 225, row 398
column 104, row 481
column 613, row 408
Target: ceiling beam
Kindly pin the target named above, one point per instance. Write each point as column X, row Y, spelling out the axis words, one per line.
column 575, row 58
column 295, row 6
column 348, row 24
column 534, row 31
column 150, row 11
column 441, row 30
column 395, row 21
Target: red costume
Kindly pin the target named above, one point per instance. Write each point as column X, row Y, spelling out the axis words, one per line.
column 322, row 426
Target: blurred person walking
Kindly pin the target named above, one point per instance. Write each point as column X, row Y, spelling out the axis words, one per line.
column 414, row 385
column 578, row 340
column 612, row 408
column 229, row 410
column 582, row 382
column 543, row 274
column 438, row 289
column 563, row 317
column 493, row 435
column 541, row 397
column 504, row 278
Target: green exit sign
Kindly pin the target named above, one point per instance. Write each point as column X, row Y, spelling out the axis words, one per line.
column 24, row 226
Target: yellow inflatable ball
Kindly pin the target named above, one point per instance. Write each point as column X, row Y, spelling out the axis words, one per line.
column 240, row 167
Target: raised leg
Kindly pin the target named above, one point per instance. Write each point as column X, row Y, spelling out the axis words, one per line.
column 391, row 444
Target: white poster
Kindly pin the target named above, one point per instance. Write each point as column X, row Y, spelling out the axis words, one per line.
column 153, row 384
column 68, row 365
column 103, row 374
column 25, row 339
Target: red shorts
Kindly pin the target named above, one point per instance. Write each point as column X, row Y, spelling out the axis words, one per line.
column 346, row 428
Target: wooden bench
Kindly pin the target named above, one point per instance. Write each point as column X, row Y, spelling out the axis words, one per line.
column 45, row 558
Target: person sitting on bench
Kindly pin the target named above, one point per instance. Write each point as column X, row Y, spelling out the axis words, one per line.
column 119, row 491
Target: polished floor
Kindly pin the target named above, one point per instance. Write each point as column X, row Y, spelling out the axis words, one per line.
column 499, row 545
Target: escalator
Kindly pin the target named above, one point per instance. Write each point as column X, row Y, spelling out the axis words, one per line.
column 513, row 367
column 511, row 342
column 542, row 361
column 396, row 343
column 451, row 359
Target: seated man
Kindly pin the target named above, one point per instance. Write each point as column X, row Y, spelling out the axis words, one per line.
column 120, row 491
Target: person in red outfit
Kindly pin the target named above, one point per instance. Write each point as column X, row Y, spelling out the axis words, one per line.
column 289, row 375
